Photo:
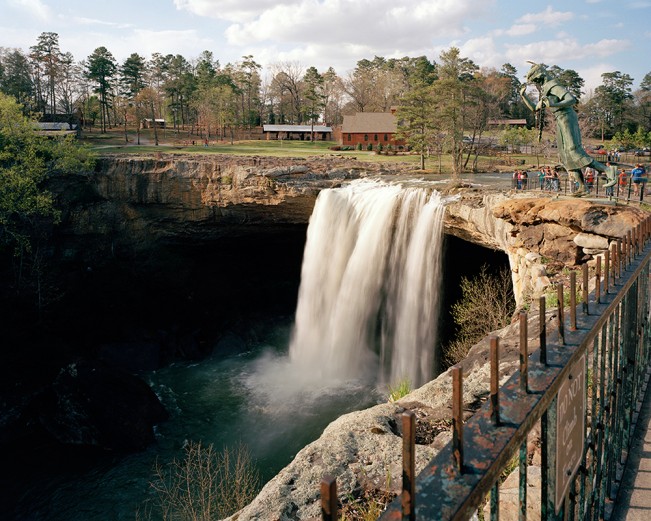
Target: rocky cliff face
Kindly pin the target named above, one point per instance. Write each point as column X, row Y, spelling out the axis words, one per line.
column 363, row 450
column 539, row 232
column 133, row 203
column 136, row 201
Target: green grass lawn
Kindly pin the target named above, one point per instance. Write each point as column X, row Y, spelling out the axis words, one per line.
column 113, row 142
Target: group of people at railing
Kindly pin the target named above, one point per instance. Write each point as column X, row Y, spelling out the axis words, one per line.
column 547, row 179
column 630, row 183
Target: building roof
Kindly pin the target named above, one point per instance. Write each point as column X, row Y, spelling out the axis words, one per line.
column 369, row 122
column 295, row 128
column 507, row 121
column 46, row 126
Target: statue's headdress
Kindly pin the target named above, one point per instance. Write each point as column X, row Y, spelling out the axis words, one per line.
column 538, row 71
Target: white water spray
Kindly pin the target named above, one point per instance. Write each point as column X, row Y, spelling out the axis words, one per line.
column 368, row 302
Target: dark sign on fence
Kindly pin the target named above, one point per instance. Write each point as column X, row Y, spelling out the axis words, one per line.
column 570, row 429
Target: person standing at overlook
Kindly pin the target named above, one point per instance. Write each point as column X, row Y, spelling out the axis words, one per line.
column 561, row 102
column 638, row 178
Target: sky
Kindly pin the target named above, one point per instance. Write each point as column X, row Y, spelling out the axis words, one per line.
column 588, row 36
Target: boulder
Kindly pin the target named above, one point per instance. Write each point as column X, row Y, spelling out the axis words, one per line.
column 591, row 241
column 93, row 404
column 551, row 240
column 607, row 220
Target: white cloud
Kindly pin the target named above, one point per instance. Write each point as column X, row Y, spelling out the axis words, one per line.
column 18, row 38
column 34, row 8
column 232, row 10
column 605, row 48
column 93, row 21
column 379, row 24
column 482, row 51
column 592, row 75
column 521, row 29
column 547, row 17
column 565, row 53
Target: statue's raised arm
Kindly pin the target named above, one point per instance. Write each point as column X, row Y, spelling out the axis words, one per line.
column 568, row 136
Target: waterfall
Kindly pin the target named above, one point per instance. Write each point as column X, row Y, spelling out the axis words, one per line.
column 368, row 302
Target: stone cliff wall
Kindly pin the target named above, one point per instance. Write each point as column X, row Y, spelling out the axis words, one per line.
column 132, row 202
column 363, row 450
column 539, row 234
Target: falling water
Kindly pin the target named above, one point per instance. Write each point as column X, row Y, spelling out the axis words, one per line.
column 369, row 296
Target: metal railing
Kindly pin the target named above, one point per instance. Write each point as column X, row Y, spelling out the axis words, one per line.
column 581, row 386
column 624, row 190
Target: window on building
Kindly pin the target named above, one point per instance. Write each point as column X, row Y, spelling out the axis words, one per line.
column 375, row 137
column 350, row 138
column 365, row 137
column 386, row 137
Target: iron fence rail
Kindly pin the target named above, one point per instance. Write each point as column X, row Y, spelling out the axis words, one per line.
column 604, row 341
column 623, row 191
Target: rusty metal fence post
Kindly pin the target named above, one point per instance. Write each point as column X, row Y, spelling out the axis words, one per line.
column 329, row 498
column 409, row 466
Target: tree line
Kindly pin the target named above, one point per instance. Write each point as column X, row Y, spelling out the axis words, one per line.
column 211, row 99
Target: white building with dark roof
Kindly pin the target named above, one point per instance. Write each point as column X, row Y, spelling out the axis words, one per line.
column 298, row 132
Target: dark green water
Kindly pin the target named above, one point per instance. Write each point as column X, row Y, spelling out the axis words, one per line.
column 250, row 398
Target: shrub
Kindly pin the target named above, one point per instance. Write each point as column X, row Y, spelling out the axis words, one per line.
column 399, row 390
column 369, row 147
column 487, row 304
column 551, row 297
column 204, row 485
column 359, row 146
column 368, row 503
column 379, row 147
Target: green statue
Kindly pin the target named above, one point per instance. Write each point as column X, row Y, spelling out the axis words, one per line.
column 568, row 136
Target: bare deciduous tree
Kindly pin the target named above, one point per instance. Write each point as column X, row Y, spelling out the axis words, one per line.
column 204, row 485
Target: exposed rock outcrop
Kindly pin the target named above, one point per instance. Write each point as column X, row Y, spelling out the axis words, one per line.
column 134, row 202
column 536, row 231
column 364, row 449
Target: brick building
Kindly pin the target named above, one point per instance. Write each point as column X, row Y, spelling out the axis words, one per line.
column 372, row 128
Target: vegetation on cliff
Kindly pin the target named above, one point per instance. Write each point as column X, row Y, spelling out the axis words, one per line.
column 27, row 210
column 487, row 304
column 205, row 484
